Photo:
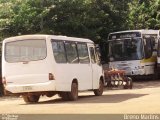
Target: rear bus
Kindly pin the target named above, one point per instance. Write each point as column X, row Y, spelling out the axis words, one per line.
column 35, row 65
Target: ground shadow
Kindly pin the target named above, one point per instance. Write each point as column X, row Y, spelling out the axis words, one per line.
column 114, row 98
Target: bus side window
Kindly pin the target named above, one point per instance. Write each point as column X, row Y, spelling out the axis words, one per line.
column 92, row 53
column 59, row 51
column 71, row 50
column 83, row 53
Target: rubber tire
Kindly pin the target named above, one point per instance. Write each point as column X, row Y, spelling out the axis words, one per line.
column 99, row 91
column 31, row 98
column 73, row 95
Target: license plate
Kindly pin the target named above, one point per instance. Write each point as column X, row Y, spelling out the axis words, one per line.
column 27, row 88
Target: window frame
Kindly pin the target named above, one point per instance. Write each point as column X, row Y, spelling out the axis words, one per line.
column 71, row 42
column 25, row 40
column 87, row 52
column 54, row 40
column 76, row 43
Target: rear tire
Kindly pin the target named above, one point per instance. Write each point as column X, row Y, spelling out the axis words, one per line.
column 73, row 95
column 99, row 91
column 31, row 98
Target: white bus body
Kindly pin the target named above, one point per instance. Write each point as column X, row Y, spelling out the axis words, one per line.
column 34, row 65
column 134, row 51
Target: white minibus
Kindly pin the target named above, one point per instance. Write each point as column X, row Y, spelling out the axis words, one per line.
column 35, row 65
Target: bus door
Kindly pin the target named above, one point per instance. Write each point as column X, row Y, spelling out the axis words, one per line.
column 94, row 66
column 149, row 58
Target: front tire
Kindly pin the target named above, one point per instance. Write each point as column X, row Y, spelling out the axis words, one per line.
column 31, row 98
column 99, row 91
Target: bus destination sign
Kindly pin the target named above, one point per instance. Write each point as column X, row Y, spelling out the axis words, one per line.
column 124, row 35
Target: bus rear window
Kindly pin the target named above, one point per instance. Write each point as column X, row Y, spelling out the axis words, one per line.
column 25, row 50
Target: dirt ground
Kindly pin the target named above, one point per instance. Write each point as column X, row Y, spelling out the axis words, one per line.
column 143, row 98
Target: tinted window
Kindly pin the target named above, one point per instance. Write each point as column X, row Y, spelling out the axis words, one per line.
column 59, row 51
column 71, row 51
column 25, row 50
column 83, row 53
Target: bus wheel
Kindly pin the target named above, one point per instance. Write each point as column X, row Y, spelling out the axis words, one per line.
column 73, row 95
column 31, row 98
column 99, row 91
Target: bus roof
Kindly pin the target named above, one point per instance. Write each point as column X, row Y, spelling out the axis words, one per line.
column 143, row 31
column 40, row 36
column 132, row 33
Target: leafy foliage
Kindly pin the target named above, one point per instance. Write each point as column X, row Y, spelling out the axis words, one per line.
column 144, row 14
column 81, row 18
column 92, row 19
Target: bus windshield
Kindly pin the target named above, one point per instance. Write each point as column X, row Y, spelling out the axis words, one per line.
column 125, row 49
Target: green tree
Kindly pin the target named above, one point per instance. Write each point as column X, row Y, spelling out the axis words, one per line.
column 92, row 19
column 154, row 22
column 22, row 16
column 144, row 14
